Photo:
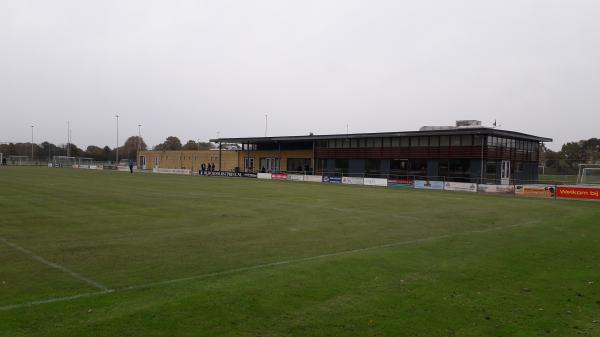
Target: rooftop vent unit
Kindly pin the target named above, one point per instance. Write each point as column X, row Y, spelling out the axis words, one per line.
column 468, row 123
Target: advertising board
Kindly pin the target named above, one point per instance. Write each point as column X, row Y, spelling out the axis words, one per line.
column 279, row 176
column 545, row 191
column 264, row 176
column 352, row 180
column 332, row 180
column 375, row 182
column 578, row 192
column 313, row 179
column 460, row 187
column 169, row 171
column 499, row 189
column 401, row 183
column 295, row 177
column 429, row 185
column 224, row 174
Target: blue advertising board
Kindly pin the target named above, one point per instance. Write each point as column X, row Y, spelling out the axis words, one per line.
column 332, row 180
column 429, row 184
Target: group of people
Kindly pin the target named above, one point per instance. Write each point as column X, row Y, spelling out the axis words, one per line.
column 204, row 168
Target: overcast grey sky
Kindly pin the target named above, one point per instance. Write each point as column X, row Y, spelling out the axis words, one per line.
column 192, row 68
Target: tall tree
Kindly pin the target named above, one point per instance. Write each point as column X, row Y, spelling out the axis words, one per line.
column 130, row 147
column 172, row 143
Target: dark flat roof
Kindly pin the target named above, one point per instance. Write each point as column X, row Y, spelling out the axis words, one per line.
column 456, row 131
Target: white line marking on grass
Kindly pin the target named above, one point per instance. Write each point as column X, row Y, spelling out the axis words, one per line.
column 55, row 266
column 52, row 300
column 258, row 266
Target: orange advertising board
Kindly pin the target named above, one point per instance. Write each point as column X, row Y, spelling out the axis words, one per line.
column 545, row 191
column 573, row 192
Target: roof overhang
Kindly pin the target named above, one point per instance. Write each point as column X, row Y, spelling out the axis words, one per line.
column 448, row 132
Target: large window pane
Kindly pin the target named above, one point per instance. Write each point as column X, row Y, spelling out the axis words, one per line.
column 434, row 141
column 423, row 141
column 444, row 141
column 376, row 142
column 405, row 142
column 466, row 140
column 455, row 140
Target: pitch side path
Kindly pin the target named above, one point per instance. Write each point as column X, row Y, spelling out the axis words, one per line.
column 86, row 253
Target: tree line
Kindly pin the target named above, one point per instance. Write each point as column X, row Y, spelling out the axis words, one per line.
column 571, row 154
column 129, row 150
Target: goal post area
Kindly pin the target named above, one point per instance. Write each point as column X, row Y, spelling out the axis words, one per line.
column 64, row 161
column 86, row 163
column 589, row 174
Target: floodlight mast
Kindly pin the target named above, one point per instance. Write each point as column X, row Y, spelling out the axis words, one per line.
column 117, row 151
column 32, row 143
column 139, row 145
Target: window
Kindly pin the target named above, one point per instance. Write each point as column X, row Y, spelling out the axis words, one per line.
column 341, row 165
column 477, row 139
column 434, row 141
column 405, row 142
column 395, row 142
column 298, row 164
column 346, row 143
column 363, row 142
column 387, row 142
column 399, row 166
column 369, row 142
column 249, row 164
column 423, row 141
column 376, row 142
column 418, row 167
column 466, row 140
column 444, row 141
column 373, row 165
column 331, row 144
column 455, row 140
column 414, row 141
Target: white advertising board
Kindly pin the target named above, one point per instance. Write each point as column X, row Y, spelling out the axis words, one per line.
column 295, row 177
column 375, row 182
column 313, row 179
column 352, row 180
column 501, row 189
column 264, row 176
column 168, row 171
column 460, row 187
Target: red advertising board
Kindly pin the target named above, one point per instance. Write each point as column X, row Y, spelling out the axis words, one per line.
column 279, row 176
column 572, row 192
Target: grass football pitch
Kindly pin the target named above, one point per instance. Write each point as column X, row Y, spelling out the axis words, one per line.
column 86, row 253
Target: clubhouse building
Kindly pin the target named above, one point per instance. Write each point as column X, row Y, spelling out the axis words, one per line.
column 465, row 152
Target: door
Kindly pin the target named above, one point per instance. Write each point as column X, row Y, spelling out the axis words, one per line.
column 143, row 162
column 505, row 172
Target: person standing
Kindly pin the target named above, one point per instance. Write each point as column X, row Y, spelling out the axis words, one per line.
column 130, row 166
